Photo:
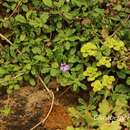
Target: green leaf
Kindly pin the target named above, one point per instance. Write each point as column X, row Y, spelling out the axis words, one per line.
column 47, row 2
column 11, row 87
column 59, row 3
column 9, row 91
column 70, row 128
column 47, row 79
column 79, row 3
column 27, row 67
column 83, row 86
column 20, row 18
column 121, row 75
column 37, row 23
column 128, row 81
column 25, row 8
column 26, row 77
column 34, row 71
column 54, row 72
column 44, row 17
column 104, row 107
column 75, row 87
column 16, row 87
column 39, row 58
column 32, row 82
column 22, row 37
column 122, row 88
column 6, row 111
column 73, row 112
column 117, row 7
column 2, row 71
column 114, row 125
column 78, row 67
column 127, row 71
column 54, row 65
column 67, row 45
column 65, row 82
column 45, row 70
column 73, row 59
column 36, row 50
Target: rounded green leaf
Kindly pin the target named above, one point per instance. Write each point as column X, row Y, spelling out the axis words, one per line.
column 20, row 18
column 32, row 82
column 47, row 2
column 2, row 71
column 128, row 81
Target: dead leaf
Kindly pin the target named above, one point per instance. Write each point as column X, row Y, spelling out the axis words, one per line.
column 104, row 32
column 86, row 21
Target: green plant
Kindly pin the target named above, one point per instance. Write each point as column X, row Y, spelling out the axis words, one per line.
column 79, row 43
column 45, row 32
column 103, row 54
column 108, row 111
column 5, row 111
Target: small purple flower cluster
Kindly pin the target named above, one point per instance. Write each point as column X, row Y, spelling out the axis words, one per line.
column 64, row 67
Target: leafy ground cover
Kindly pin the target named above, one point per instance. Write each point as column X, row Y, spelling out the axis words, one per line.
column 82, row 45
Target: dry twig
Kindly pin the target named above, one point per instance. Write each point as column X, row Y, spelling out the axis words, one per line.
column 51, row 94
column 118, row 29
column 14, row 11
column 6, row 39
column 2, row 36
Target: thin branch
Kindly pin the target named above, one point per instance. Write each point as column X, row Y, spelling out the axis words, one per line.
column 2, row 36
column 67, row 89
column 13, row 78
column 51, row 94
column 47, row 89
column 14, row 11
column 118, row 29
column 18, row 75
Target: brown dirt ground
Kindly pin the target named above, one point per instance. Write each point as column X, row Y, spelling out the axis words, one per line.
column 58, row 119
column 26, row 105
column 30, row 105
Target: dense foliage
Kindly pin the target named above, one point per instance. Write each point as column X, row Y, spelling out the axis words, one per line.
column 79, row 43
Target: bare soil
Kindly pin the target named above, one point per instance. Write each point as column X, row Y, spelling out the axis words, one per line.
column 26, row 106
column 58, row 119
column 30, row 105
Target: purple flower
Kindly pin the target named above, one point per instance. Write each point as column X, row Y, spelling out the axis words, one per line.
column 64, row 67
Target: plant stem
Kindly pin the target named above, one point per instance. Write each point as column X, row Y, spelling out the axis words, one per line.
column 2, row 36
column 51, row 94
